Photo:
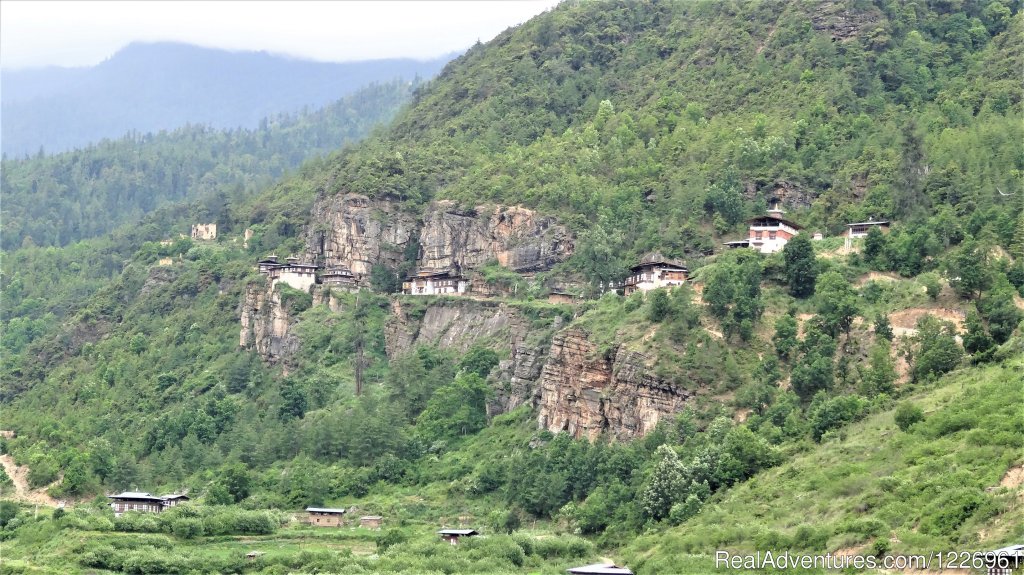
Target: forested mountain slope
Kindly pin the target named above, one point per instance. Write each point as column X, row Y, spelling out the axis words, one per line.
column 148, row 87
column 63, row 198
column 615, row 128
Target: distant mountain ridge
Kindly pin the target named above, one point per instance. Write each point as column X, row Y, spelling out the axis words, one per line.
column 147, row 87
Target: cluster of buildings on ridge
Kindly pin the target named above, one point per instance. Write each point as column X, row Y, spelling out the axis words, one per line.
column 768, row 234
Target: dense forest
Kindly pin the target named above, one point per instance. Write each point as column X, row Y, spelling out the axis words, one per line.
column 60, row 199
column 841, row 398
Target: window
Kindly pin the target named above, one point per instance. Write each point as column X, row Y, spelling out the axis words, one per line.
column 757, row 235
column 771, row 235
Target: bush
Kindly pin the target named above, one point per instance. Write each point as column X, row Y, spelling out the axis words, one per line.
column 390, row 538
column 908, row 414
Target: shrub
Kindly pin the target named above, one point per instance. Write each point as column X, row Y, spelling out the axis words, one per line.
column 908, row 414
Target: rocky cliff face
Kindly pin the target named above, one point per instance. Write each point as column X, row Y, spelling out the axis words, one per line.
column 586, row 394
column 519, row 239
column 461, row 324
column 354, row 231
column 266, row 325
column 457, row 325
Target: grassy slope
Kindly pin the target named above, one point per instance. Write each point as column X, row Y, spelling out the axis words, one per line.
column 877, row 482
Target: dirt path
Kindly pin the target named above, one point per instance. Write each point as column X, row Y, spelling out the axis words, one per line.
column 22, row 492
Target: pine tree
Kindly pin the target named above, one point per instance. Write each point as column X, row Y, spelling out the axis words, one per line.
column 801, row 266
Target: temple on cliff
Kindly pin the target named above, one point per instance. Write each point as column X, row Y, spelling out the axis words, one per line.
column 436, row 282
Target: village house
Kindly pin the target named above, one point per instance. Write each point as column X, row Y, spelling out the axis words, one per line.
column 371, row 521
column 204, row 231
column 435, row 282
column 600, row 569
column 654, row 271
column 338, row 277
column 771, row 232
column 325, row 516
column 859, row 230
column 452, row 535
column 144, row 502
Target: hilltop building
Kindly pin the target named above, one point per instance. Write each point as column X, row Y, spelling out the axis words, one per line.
column 144, row 502
column 771, row 232
column 655, row 271
column 204, row 231
column 435, row 282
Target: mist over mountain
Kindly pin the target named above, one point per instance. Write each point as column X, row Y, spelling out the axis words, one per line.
column 147, row 87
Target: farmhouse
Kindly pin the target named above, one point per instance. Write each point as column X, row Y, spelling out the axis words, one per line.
column 452, row 535
column 771, row 232
column 654, row 271
column 144, row 502
column 325, row 516
column 435, row 282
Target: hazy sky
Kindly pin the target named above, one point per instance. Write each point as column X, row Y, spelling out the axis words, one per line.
column 82, row 33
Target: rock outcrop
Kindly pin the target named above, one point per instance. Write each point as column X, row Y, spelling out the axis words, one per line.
column 517, row 238
column 266, row 325
column 461, row 324
column 356, row 232
column 457, row 325
column 586, row 394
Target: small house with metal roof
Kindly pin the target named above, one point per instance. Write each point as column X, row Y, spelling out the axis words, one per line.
column 325, row 516
column 453, row 535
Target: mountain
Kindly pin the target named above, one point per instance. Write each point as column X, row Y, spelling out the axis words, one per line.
column 162, row 86
column 867, row 387
column 63, row 198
